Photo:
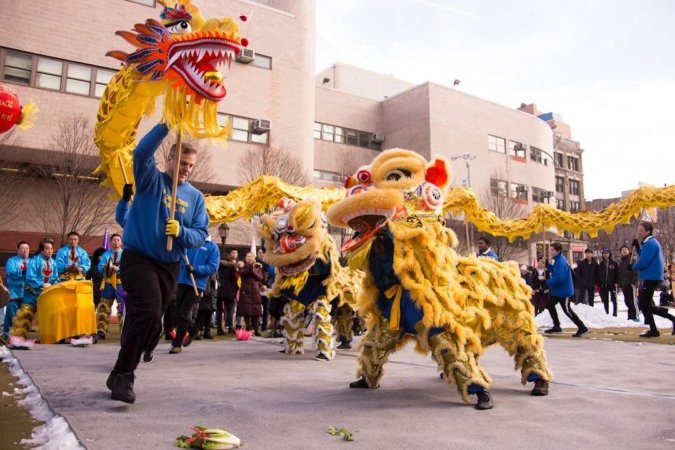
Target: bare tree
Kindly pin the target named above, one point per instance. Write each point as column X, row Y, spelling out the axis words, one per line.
column 13, row 180
column 202, row 171
column 271, row 161
column 73, row 201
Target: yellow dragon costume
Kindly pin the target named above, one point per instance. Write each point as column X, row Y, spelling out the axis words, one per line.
column 179, row 59
column 418, row 288
column 308, row 272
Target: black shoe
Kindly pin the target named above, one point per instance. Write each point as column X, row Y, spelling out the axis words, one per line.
column 220, row 332
column 580, row 332
column 673, row 333
column 540, row 388
column 359, row 384
column 187, row 340
column 111, row 379
column 198, row 337
column 148, row 356
column 650, row 334
column 484, row 400
column 208, row 336
column 344, row 346
column 257, row 333
column 123, row 388
column 321, row 357
column 553, row 330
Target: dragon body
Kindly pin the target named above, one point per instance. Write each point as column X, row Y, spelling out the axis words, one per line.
column 417, row 287
column 180, row 59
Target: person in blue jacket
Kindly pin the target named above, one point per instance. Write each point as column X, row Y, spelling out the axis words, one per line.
column 203, row 261
column 123, row 205
column 72, row 261
column 562, row 289
column 650, row 265
column 484, row 248
column 15, row 270
column 109, row 267
column 148, row 269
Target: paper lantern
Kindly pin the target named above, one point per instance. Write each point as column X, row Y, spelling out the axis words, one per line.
column 11, row 111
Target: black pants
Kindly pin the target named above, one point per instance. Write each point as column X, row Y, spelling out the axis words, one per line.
column 149, row 284
column 204, row 321
column 265, row 314
column 225, row 306
column 629, row 300
column 588, row 293
column 567, row 309
column 169, row 318
column 647, row 306
column 607, row 292
column 185, row 303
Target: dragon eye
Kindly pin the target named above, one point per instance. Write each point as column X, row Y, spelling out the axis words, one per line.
column 181, row 27
column 397, row 174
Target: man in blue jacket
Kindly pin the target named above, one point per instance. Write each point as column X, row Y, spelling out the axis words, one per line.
column 203, row 261
column 150, row 271
column 15, row 268
column 650, row 266
column 562, row 289
column 72, row 261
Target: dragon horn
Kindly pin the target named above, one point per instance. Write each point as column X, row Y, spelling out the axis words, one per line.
column 117, row 54
column 134, row 40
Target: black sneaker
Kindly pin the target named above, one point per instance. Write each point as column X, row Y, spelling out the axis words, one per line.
column 484, row 401
column 650, row 334
column 344, row 346
column 553, row 330
column 187, row 340
column 359, row 384
column 580, row 332
column 110, row 380
column 540, row 388
column 123, row 388
column 148, row 356
column 220, row 332
column 321, row 357
column 208, row 336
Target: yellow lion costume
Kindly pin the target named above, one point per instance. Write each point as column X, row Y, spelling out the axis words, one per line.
column 417, row 287
column 308, row 272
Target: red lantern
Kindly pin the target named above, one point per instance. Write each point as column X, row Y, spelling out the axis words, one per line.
column 11, row 111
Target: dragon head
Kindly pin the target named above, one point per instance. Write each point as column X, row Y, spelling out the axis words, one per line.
column 397, row 185
column 293, row 235
column 188, row 52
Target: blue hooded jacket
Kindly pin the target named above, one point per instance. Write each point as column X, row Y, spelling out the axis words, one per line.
column 650, row 263
column 561, row 283
column 204, row 260
column 16, row 276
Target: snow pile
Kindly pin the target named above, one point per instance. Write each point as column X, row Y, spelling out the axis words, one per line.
column 595, row 317
column 55, row 433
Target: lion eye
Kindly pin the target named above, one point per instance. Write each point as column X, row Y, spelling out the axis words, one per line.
column 397, row 174
column 179, row 28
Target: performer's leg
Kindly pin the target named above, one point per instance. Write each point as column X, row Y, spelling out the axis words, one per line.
column 185, row 300
column 376, row 346
column 103, row 311
column 23, row 319
column 293, row 323
column 458, row 366
column 344, row 326
column 10, row 311
column 323, row 329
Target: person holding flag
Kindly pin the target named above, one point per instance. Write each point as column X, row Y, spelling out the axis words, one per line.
column 113, row 291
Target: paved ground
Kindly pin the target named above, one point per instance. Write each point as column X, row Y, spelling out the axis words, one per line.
column 605, row 395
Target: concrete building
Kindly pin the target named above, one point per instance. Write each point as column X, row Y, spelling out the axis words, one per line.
column 333, row 121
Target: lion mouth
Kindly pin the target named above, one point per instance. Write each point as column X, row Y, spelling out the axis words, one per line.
column 297, row 267
column 199, row 64
column 365, row 225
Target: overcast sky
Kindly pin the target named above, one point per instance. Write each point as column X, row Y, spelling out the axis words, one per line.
column 606, row 66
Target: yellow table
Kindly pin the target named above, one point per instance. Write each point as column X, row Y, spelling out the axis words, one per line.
column 65, row 310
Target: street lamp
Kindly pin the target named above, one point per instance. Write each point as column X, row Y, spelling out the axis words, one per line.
column 223, row 232
column 467, row 157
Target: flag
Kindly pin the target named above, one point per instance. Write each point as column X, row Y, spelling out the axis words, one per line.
column 106, row 239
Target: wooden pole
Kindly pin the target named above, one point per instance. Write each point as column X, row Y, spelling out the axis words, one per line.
column 192, row 277
column 174, row 189
column 124, row 172
column 468, row 241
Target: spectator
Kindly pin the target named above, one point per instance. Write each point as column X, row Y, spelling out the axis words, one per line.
column 540, row 290
column 228, row 286
column 207, row 304
column 627, row 280
column 587, row 273
column 267, row 281
column 526, row 275
column 484, row 248
column 608, row 276
column 249, row 306
column 650, row 265
column 562, row 289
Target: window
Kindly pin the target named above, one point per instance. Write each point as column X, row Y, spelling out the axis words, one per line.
column 54, row 74
column 574, row 206
column 496, row 144
column 498, row 188
column 332, row 177
column 241, row 129
column 262, row 61
column 17, row 67
column 517, row 149
column 519, row 192
column 538, row 155
column 79, row 79
column 341, row 135
column 577, row 256
column 541, row 195
column 558, row 159
column 573, row 163
column 49, row 73
column 574, row 187
column 560, row 204
column 559, row 184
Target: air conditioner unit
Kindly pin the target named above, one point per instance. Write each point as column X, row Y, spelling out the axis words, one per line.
column 261, row 126
column 246, row 56
column 377, row 138
column 522, row 189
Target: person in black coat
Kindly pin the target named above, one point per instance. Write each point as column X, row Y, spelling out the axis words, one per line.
column 587, row 274
column 94, row 275
column 627, row 280
column 608, row 277
column 228, row 276
column 540, row 290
